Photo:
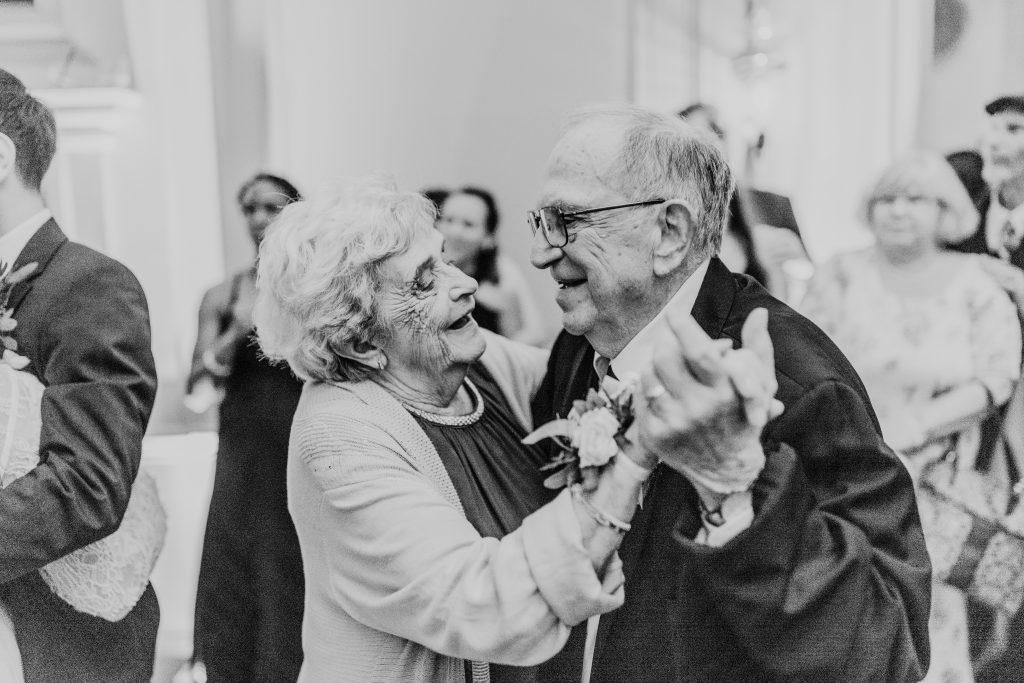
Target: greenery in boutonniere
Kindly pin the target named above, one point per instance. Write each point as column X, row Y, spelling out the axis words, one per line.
column 8, row 280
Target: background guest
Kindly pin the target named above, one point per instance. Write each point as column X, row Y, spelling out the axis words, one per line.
column 935, row 339
column 249, row 600
column 761, row 235
column 469, row 222
column 994, row 177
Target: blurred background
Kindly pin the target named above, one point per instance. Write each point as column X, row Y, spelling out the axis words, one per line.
column 164, row 108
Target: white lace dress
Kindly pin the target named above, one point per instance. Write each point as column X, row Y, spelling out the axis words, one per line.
column 104, row 579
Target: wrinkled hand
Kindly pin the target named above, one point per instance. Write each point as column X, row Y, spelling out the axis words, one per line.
column 702, row 406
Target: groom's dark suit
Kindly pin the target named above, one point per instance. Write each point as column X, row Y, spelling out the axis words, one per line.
column 84, row 325
column 830, row 583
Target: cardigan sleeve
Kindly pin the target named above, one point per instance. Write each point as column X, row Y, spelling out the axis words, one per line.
column 405, row 561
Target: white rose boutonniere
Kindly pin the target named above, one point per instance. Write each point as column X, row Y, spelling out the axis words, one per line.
column 592, row 433
column 594, row 439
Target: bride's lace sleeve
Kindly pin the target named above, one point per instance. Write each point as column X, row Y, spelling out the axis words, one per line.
column 106, row 578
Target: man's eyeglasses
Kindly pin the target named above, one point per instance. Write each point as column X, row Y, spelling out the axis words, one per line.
column 551, row 220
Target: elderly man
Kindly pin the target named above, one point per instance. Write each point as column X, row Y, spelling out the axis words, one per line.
column 790, row 553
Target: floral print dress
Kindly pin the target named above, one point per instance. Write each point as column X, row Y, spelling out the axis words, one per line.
column 909, row 349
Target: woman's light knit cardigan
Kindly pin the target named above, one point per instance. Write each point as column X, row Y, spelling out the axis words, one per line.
column 399, row 586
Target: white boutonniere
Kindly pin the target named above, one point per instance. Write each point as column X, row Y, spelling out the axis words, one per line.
column 592, row 433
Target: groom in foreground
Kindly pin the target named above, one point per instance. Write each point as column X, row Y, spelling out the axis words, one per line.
column 792, row 553
column 84, row 325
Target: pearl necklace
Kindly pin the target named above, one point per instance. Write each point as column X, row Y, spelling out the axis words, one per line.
column 454, row 420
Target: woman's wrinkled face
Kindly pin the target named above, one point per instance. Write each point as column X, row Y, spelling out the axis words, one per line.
column 906, row 219
column 260, row 205
column 429, row 305
column 463, row 223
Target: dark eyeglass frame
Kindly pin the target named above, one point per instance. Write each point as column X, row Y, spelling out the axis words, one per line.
column 551, row 220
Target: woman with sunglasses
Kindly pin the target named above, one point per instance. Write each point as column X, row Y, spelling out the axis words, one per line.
column 249, row 600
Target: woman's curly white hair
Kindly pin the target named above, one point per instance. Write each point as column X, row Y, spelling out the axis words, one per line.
column 321, row 274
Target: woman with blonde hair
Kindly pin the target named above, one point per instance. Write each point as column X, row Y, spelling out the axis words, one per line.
column 935, row 339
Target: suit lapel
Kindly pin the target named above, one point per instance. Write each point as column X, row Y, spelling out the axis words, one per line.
column 40, row 249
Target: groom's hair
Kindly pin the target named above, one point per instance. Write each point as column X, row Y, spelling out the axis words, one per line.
column 30, row 126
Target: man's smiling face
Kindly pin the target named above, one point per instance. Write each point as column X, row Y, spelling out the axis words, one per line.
column 605, row 272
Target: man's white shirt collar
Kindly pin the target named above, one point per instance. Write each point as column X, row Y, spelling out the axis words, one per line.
column 12, row 244
column 637, row 354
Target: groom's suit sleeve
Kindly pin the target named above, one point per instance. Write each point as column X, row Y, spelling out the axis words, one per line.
column 832, row 579
column 92, row 351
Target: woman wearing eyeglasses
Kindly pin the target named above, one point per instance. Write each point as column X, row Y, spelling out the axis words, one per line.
column 249, row 600
column 934, row 338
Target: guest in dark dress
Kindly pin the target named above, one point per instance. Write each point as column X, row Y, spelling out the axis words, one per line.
column 431, row 550
column 249, row 601
column 469, row 222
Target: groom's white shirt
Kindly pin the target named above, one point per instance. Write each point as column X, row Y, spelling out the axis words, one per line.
column 12, row 244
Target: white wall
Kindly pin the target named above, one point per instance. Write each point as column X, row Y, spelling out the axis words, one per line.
column 987, row 62
column 441, row 93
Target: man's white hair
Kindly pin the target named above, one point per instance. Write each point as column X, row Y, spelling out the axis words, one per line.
column 662, row 156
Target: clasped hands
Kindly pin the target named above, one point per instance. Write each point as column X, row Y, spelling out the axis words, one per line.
column 702, row 405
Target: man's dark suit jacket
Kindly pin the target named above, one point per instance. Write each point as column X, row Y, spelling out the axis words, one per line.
column 830, row 583
column 84, row 325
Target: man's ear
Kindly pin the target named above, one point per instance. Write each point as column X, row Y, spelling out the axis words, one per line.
column 677, row 227
column 8, row 156
column 364, row 352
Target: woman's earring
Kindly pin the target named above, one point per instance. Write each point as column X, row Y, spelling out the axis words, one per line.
column 381, row 362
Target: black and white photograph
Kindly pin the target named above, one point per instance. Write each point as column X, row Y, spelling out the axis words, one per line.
column 549, row 341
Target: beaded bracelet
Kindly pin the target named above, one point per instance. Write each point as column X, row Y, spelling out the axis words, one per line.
column 598, row 515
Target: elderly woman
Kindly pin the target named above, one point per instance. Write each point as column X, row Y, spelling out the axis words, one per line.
column 429, row 544
column 934, row 338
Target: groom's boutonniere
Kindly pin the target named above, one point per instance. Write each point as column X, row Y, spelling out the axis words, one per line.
column 7, row 322
column 592, row 433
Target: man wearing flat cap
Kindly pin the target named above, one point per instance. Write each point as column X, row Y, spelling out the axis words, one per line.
column 997, row 187
column 994, row 177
